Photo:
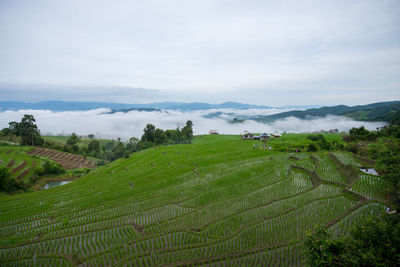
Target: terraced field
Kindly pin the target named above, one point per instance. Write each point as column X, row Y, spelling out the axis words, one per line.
column 66, row 160
column 216, row 202
column 20, row 164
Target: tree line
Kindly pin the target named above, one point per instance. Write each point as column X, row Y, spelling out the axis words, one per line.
column 26, row 132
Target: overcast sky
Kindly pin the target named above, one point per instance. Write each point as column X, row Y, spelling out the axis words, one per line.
column 257, row 52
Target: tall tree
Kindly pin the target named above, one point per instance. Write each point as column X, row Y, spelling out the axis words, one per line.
column 149, row 133
column 187, row 131
column 27, row 130
column 73, row 141
column 159, row 137
column 94, row 147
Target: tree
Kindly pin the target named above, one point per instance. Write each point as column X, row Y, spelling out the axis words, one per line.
column 73, row 141
column 52, row 168
column 311, row 148
column 323, row 144
column 27, row 130
column 149, row 132
column 372, row 242
column 159, row 137
column 118, row 151
column 133, row 144
column 187, row 131
column 91, row 136
column 6, row 132
column 94, row 147
column 173, row 136
column 7, row 184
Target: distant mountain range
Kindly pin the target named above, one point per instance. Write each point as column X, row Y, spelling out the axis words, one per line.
column 383, row 111
column 71, row 106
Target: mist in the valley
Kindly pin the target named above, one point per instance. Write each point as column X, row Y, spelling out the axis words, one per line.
column 104, row 124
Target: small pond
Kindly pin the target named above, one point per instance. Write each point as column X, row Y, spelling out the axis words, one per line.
column 54, row 184
column 369, row 171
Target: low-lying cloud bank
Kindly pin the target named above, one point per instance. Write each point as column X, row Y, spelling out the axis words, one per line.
column 125, row 125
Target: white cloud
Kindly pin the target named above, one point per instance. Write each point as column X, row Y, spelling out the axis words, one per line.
column 126, row 125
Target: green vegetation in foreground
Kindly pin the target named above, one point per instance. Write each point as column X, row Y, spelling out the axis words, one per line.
column 374, row 241
column 216, row 201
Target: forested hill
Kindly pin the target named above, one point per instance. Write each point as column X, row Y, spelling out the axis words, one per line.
column 383, row 111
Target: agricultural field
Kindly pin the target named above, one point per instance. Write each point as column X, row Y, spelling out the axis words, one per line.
column 66, row 160
column 216, row 202
column 20, row 164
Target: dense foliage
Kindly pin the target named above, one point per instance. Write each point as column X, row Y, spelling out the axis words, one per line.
column 373, row 242
column 26, row 130
column 376, row 240
column 7, row 184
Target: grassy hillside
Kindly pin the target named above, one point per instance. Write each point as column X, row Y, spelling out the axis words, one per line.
column 20, row 164
column 217, row 201
column 384, row 111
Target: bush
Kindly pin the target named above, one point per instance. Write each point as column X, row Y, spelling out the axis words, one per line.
column 7, row 184
column 100, row 163
column 317, row 137
column 52, row 168
column 39, row 171
column 312, row 148
column 372, row 242
column 353, row 148
column 33, row 179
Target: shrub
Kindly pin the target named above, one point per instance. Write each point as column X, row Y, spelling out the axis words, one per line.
column 100, row 163
column 39, row 171
column 7, row 184
column 52, row 168
column 316, row 137
column 312, row 148
column 352, row 148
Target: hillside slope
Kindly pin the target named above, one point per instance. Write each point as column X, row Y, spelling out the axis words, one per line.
column 217, row 201
column 384, row 111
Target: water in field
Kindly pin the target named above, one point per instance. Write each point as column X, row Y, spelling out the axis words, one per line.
column 369, row 171
column 54, row 184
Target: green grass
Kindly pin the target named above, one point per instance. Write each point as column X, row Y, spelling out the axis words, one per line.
column 216, row 201
column 24, row 164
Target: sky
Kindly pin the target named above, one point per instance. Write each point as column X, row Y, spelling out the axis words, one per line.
column 256, row 52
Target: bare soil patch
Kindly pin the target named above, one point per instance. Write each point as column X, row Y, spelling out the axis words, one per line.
column 11, row 163
column 66, row 160
column 19, row 167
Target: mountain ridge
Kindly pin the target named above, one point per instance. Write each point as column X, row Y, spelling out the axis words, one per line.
column 57, row 105
column 380, row 111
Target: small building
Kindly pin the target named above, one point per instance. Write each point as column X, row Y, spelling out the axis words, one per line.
column 333, row 131
column 213, row 132
column 275, row 135
column 247, row 136
column 264, row 136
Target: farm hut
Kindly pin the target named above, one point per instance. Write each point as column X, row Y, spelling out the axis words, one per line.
column 275, row 135
column 247, row 136
column 264, row 136
column 213, row 132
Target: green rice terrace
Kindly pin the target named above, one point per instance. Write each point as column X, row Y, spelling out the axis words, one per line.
column 216, row 202
column 20, row 164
